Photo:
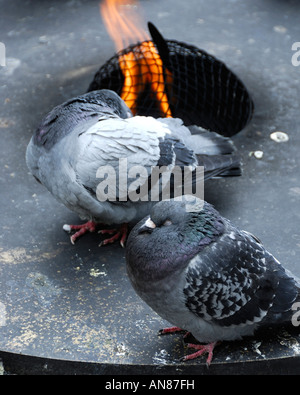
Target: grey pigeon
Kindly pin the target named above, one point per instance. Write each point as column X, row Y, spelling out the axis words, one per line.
column 97, row 130
column 204, row 275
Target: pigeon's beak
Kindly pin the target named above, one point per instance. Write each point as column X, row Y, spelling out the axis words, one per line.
column 148, row 226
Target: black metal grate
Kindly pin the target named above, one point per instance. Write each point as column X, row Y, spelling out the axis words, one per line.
column 202, row 90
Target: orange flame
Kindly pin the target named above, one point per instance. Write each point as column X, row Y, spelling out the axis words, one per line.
column 141, row 67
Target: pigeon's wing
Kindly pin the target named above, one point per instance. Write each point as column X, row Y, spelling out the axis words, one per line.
column 216, row 153
column 128, row 148
column 109, row 148
column 229, row 283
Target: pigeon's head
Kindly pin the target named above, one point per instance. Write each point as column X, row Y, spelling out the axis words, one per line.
column 175, row 231
column 172, row 215
column 78, row 111
column 108, row 101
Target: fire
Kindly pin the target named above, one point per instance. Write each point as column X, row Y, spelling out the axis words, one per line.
column 141, row 67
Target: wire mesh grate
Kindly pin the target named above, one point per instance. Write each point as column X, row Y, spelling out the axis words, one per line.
column 198, row 88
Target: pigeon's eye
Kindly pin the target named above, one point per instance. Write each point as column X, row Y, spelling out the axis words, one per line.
column 167, row 222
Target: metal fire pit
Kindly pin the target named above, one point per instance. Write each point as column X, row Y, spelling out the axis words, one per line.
column 71, row 309
column 203, row 90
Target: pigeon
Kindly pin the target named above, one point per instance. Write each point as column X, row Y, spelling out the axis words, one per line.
column 201, row 273
column 82, row 148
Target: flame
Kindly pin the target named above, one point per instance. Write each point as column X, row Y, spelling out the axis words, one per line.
column 140, row 67
column 123, row 22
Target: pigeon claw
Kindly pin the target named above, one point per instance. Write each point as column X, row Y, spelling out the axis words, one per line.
column 89, row 226
column 120, row 233
column 202, row 349
column 172, row 329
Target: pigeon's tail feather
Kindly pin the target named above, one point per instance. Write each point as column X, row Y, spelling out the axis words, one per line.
column 209, row 143
column 220, row 165
column 216, row 153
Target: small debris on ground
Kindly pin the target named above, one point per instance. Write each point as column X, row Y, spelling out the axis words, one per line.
column 279, row 137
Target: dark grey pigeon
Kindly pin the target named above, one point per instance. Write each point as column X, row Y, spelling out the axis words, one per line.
column 97, row 131
column 204, row 275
